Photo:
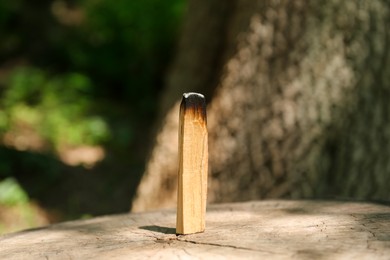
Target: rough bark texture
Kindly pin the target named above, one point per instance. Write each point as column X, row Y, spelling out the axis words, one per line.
column 252, row 230
column 300, row 108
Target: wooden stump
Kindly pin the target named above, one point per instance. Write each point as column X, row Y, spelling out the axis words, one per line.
column 269, row 229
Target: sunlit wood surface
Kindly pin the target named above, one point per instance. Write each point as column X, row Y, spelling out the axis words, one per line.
column 259, row 229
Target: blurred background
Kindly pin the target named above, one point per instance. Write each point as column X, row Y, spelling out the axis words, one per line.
column 298, row 101
column 79, row 82
column 297, row 96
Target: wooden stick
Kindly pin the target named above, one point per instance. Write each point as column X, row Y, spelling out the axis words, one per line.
column 193, row 165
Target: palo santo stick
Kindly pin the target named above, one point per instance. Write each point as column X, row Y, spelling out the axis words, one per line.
column 193, row 165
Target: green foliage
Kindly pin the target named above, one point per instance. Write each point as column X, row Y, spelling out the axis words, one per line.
column 91, row 82
column 11, row 193
column 79, row 75
column 17, row 211
column 129, row 39
column 57, row 108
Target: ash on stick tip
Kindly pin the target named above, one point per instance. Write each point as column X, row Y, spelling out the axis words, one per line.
column 194, row 103
column 187, row 95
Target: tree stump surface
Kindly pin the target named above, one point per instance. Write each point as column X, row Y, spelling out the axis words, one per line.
column 270, row 229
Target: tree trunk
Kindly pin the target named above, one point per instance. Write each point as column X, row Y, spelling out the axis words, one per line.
column 300, row 104
column 251, row 230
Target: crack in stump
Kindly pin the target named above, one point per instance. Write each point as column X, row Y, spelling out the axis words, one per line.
column 219, row 245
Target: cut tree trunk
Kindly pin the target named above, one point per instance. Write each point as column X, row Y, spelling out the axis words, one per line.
column 269, row 229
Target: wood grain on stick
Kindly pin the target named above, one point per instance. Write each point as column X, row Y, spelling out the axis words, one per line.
column 193, row 165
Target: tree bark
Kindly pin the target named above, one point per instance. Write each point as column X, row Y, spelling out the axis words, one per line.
column 252, row 230
column 297, row 101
